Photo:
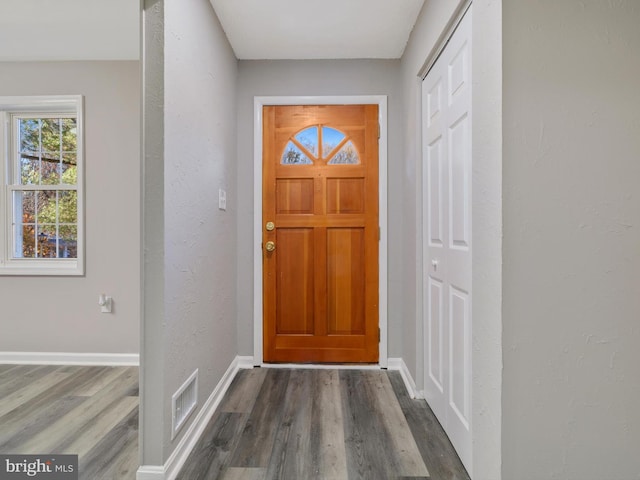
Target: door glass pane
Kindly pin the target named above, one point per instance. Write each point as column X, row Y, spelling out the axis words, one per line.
column 331, row 138
column 347, row 155
column 309, row 139
column 294, row 156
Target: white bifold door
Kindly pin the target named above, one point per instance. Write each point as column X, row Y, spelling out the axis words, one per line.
column 446, row 170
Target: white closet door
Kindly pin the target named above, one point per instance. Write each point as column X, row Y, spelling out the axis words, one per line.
column 446, row 141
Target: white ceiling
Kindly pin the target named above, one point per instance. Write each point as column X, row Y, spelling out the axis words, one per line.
column 32, row 30
column 313, row 29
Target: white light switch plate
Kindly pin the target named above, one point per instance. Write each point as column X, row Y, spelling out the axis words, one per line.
column 222, row 199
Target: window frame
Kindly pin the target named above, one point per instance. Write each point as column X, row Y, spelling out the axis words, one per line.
column 10, row 109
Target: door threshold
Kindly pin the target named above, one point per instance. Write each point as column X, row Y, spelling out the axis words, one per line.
column 324, row 366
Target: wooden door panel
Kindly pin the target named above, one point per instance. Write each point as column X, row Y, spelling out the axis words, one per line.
column 295, row 281
column 294, row 195
column 320, row 189
column 341, row 220
column 295, row 117
column 297, row 171
column 310, row 343
column 345, row 195
column 346, row 281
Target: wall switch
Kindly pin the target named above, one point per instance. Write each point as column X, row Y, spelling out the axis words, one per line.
column 105, row 303
column 222, row 199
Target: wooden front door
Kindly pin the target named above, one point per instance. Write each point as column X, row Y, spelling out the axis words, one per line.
column 320, row 233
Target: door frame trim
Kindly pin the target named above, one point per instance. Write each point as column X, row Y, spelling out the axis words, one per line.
column 258, row 103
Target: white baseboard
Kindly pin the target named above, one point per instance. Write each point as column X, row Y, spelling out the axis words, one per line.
column 175, row 462
column 245, row 362
column 409, row 382
column 63, row 358
column 150, row 472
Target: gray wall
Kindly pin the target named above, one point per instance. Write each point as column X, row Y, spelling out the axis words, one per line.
column 427, row 35
column 430, row 25
column 317, row 77
column 190, row 245
column 571, row 240
column 61, row 314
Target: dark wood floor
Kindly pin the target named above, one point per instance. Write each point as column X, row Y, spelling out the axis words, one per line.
column 272, row 423
column 322, row 424
column 88, row 411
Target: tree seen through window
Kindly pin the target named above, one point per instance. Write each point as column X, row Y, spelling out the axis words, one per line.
column 47, row 226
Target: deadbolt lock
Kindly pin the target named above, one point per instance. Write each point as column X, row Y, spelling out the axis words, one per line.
column 270, row 246
column 270, row 226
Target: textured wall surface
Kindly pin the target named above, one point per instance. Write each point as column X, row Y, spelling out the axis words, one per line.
column 61, row 314
column 428, row 33
column 316, row 77
column 200, row 239
column 190, row 245
column 152, row 399
column 430, row 25
column 487, row 183
column 571, row 240
column 69, row 30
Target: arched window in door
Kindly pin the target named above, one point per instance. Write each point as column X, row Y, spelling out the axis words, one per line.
column 320, row 144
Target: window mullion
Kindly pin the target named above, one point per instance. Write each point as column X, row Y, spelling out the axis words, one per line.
column 30, row 187
column 57, row 224
column 4, row 210
column 39, row 152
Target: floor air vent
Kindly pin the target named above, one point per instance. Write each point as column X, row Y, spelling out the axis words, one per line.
column 183, row 402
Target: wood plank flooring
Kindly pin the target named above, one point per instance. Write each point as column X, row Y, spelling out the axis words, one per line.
column 88, row 411
column 322, row 424
column 272, row 424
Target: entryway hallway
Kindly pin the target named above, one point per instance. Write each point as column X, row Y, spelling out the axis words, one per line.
column 325, row 424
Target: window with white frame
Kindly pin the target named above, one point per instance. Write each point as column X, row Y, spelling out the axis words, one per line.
column 41, row 219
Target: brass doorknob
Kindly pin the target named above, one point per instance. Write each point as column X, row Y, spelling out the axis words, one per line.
column 270, row 226
column 270, row 246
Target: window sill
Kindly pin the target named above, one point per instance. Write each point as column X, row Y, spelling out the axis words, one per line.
column 42, row 268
